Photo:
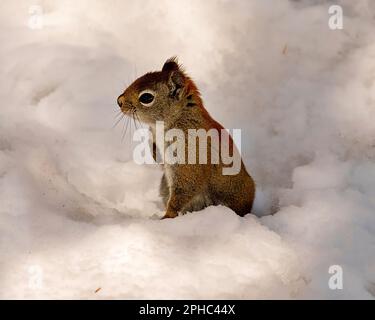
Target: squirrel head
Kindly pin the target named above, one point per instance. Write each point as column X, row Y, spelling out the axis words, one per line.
column 161, row 95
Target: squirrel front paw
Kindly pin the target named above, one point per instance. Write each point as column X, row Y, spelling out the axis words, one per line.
column 157, row 215
column 161, row 215
column 169, row 215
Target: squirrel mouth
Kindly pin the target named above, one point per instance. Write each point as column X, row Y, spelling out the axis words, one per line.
column 131, row 112
column 127, row 113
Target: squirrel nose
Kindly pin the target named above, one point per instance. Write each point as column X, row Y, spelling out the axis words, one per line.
column 119, row 101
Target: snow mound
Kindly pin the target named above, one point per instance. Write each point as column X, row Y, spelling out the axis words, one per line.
column 76, row 213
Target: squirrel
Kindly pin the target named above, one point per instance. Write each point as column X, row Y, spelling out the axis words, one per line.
column 170, row 95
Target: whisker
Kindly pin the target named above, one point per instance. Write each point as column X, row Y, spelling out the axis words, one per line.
column 128, row 114
column 127, row 124
column 123, row 130
column 135, row 123
column 139, row 121
column 118, row 121
column 131, row 131
column 118, row 114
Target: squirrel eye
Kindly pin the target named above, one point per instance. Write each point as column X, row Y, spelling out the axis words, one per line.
column 146, row 98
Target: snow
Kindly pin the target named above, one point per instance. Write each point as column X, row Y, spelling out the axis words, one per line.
column 77, row 214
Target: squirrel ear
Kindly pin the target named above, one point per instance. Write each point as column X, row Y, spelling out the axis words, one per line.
column 176, row 77
column 171, row 65
column 176, row 83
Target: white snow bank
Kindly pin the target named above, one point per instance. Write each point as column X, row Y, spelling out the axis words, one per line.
column 76, row 212
column 191, row 257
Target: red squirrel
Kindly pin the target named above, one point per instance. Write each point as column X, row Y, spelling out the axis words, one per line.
column 171, row 96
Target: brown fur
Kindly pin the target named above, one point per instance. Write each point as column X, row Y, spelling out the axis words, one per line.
column 187, row 187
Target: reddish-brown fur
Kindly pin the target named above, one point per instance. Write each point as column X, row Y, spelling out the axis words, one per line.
column 187, row 187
